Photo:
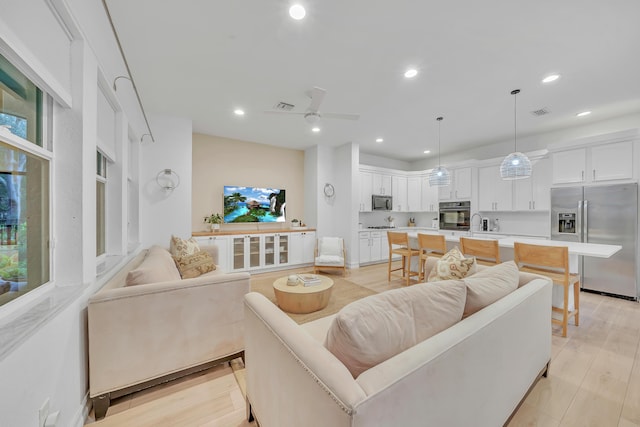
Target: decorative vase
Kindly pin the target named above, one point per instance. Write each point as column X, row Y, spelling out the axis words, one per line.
column 215, row 227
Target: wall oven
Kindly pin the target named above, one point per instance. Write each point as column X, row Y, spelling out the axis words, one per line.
column 455, row 216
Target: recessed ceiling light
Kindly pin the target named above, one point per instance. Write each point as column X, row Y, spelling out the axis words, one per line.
column 379, row 140
column 584, row 113
column 315, row 129
column 238, row 112
column 297, row 12
column 551, row 78
column 426, row 151
column 410, row 73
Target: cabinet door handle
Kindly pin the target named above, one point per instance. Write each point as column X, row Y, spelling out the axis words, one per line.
column 583, row 175
column 529, row 204
column 534, row 205
column 594, row 174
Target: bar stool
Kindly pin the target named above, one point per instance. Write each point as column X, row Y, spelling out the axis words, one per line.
column 431, row 245
column 553, row 262
column 486, row 251
column 399, row 244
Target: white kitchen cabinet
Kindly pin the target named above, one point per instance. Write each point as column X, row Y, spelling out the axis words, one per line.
column 598, row 163
column 460, row 187
column 534, row 194
column 302, row 247
column 222, row 242
column 414, row 194
column 494, row 193
column 429, row 202
column 370, row 245
column 381, row 184
column 366, row 191
column 399, row 191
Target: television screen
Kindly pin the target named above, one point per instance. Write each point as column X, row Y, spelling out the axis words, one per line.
column 253, row 204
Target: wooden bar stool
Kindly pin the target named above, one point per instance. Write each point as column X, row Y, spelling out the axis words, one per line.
column 431, row 245
column 553, row 262
column 399, row 244
column 486, row 251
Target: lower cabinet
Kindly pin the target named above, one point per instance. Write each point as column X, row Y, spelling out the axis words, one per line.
column 264, row 251
column 373, row 246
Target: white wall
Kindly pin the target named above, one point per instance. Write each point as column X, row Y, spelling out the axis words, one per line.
column 165, row 213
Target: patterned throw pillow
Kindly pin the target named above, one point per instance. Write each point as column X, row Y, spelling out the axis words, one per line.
column 453, row 265
column 179, row 247
column 194, row 265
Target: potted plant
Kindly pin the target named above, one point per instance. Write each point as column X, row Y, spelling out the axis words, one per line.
column 295, row 223
column 215, row 219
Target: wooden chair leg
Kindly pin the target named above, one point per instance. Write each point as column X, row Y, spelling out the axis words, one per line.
column 389, row 269
column 565, row 312
column 576, row 302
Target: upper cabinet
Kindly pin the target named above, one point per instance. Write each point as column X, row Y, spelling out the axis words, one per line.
column 366, row 191
column 460, row 188
column 399, row 191
column 598, row 163
column 382, row 184
column 534, row 194
column 494, row 193
column 414, row 193
column 429, row 199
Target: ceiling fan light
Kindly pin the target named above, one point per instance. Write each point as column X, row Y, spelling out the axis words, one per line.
column 515, row 166
column 439, row 176
column 297, row 12
column 312, row 118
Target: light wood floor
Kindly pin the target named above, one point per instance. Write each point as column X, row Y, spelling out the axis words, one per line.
column 594, row 379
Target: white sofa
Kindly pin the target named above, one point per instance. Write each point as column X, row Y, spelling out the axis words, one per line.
column 145, row 334
column 475, row 373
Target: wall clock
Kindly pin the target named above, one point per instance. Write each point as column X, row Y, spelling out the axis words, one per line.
column 329, row 191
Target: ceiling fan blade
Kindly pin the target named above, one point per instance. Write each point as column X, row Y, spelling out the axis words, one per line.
column 284, row 112
column 340, row 116
column 317, row 95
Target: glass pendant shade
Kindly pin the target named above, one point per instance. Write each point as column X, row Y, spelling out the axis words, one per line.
column 515, row 166
column 439, row 176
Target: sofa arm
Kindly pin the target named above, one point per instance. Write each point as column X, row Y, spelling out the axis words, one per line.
column 177, row 324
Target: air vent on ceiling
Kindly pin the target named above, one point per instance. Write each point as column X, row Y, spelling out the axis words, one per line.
column 283, row 106
column 540, row 112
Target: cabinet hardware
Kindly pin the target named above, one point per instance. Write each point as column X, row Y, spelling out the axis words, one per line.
column 529, row 204
column 534, row 205
column 582, row 175
column 594, row 174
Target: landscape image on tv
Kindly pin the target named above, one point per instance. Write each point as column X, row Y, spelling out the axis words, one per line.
column 253, row 204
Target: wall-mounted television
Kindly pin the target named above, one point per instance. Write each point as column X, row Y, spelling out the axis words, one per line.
column 253, row 204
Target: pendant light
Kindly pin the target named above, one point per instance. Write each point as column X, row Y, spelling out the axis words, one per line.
column 439, row 176
column 516, row 165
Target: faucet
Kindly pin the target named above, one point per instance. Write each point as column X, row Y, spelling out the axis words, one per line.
column 471, row 222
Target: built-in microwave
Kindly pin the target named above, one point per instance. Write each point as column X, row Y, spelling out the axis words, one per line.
column 455, row 216
column 381, row 203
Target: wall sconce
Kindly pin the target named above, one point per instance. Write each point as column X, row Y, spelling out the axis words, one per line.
column 167, row 179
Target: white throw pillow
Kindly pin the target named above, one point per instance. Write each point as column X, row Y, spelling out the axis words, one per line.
column 373, row 329
column 489, row 285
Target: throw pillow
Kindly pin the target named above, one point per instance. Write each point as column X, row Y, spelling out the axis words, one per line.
column 195, row 265
column 452, row 265
column 376, row 328
column 157, row 266
column 489, row 285
column 179, row 247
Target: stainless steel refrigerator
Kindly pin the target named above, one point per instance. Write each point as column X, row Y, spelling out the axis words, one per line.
column 605, row 214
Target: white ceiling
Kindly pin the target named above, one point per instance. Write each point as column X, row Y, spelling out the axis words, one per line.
column 202, row 59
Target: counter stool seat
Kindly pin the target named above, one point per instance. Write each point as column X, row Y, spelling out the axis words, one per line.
column 399, row 244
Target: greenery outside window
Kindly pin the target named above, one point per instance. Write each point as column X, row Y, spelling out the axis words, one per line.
column 101, row 198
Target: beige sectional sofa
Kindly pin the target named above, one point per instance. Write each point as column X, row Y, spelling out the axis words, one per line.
column 149, row 333
column 473, row 373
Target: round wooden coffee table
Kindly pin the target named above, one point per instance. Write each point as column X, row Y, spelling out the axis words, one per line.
column 302, row 299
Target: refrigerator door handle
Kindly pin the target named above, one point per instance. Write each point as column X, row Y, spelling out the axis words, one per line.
column 579, row 222
column 586, row 221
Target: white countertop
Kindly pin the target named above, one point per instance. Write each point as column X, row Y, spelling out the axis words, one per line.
column 575, row 248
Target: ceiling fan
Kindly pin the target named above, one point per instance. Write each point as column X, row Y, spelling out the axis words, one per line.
column 312, row 115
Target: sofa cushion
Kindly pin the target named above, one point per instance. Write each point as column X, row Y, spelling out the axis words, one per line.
column 373, row 329
column 489, row 285
column 157, row 266
column 330, row 246
column 195, row 265
column 452, row 265
column 179, row 247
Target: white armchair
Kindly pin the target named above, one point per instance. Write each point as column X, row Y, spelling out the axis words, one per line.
column 330, row 254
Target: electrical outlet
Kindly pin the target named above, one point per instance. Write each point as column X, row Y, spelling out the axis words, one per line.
column 43, row 412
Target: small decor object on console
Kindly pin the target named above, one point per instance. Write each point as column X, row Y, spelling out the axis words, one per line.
column 292, row 280
column 214, row 220
column 309, row 279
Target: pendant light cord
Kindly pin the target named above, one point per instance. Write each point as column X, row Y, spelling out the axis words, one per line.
column 439, row 119
column 515, row 117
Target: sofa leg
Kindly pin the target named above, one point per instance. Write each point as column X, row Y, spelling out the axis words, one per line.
column 546, row 370
column 250, row 417
column 100, row 405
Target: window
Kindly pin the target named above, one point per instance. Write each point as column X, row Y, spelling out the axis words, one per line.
column 101, row 200
column 24, row 186
column 20, row 104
